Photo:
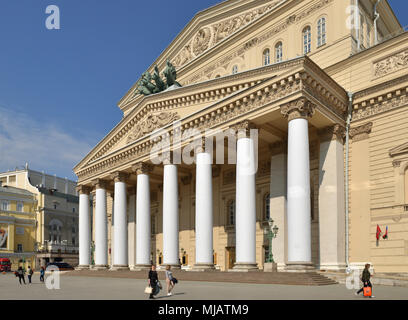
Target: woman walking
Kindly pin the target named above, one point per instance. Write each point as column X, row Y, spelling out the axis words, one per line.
column 365, row 278
column 153, row 281
column 169, row 280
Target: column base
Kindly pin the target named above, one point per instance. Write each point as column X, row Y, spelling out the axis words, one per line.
column 245, row 267
column 338, row 267
column 141, row 267
column 300, row 267
column 202, row 267
column 270, row 267
column 119, row 267
column 83, row 267
column 99, row 267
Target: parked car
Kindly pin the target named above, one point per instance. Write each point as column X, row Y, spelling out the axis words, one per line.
column 5, row 265
column 62, row 266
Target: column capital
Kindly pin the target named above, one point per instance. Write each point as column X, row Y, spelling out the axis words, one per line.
column 142, row 168
column 120, row 176
column 298, row 109
column 100, row 184
column 243, row 128
column 336, row 132
column 362, row 132
column 82, row 189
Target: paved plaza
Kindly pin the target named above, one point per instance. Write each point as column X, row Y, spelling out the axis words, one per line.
column 95, row 288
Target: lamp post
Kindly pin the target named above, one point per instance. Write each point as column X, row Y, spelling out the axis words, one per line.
column 272, row 233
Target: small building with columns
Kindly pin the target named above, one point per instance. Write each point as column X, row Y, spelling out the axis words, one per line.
column 305, row 121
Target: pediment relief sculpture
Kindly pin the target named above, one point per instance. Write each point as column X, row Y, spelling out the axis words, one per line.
column 151, row 123
column 391, row 64
column 209, row 36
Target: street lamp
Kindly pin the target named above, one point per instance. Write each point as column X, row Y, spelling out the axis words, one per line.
column 272, row 233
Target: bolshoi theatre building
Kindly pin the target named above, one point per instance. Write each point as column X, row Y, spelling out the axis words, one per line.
column 314, row 97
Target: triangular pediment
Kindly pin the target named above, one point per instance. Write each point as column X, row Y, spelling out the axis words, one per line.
column 399, row 150
column 205, row 31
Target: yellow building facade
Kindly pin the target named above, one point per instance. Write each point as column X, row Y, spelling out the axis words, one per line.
column 18, row 226
column 324, row 83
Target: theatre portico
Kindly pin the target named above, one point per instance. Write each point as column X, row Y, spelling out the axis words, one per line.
column 274, row 114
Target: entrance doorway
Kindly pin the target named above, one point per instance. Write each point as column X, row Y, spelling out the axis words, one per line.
column 230, row 261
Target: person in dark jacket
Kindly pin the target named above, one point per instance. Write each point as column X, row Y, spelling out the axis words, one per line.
column 30, row 274
column 42, row 272
column 365, row 278
column 153, row 281
column 21, row 274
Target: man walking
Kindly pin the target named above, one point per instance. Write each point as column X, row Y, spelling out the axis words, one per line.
column 30, row 274
column 21, row 273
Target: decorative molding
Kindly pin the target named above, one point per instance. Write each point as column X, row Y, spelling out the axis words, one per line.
column 298, row 109
column 392, row 100
column 243, row 128
column 142, row 168
column 362, row 132
column 396, row 163
column 335, row 132
column 151, row 123
column 399, row 150
column 391, row 64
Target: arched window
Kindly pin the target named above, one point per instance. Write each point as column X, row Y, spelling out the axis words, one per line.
column 231, row 212
column 321, row 32
column 266, row 57
column 278, row 52
column 55, row 230
column 234, row 69
column 267, row 207
column 307, row 40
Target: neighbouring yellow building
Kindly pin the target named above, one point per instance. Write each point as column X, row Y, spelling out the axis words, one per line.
column 18, row 226
column 324, row 83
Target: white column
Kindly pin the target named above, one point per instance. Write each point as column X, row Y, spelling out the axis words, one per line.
column 245, row 204
column 204, row 212
column 331, row 200
column 143, row 228
column 120, row 260
column 298, row 209
column 84, row 228
column 101, row 227
column 170, row 216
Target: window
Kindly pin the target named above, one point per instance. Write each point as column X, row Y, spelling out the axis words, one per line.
column 278, row 52
column 55, row 207
column 73, row 210
column 307, row 40
column 19, row 248
column 20, row 207
column 5, row 206
column 235, row 69
column 267, row 207
column 266, row 57
column 231, row 212
column 321, row 32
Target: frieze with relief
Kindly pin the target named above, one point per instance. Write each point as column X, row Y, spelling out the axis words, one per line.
column 151, row 123
column 391, row 64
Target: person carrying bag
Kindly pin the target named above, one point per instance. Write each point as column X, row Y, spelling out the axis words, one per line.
column 153, row 288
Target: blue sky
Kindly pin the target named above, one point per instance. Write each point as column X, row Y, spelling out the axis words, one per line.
column 59, row 88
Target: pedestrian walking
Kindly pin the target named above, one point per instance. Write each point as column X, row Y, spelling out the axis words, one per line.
column 365, row 278
column 153, row 282
column 42, row 272
column 30, row 274
column 21, row 274
column 170, row 280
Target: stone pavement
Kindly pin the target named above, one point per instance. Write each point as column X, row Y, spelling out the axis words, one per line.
column 116, row 288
